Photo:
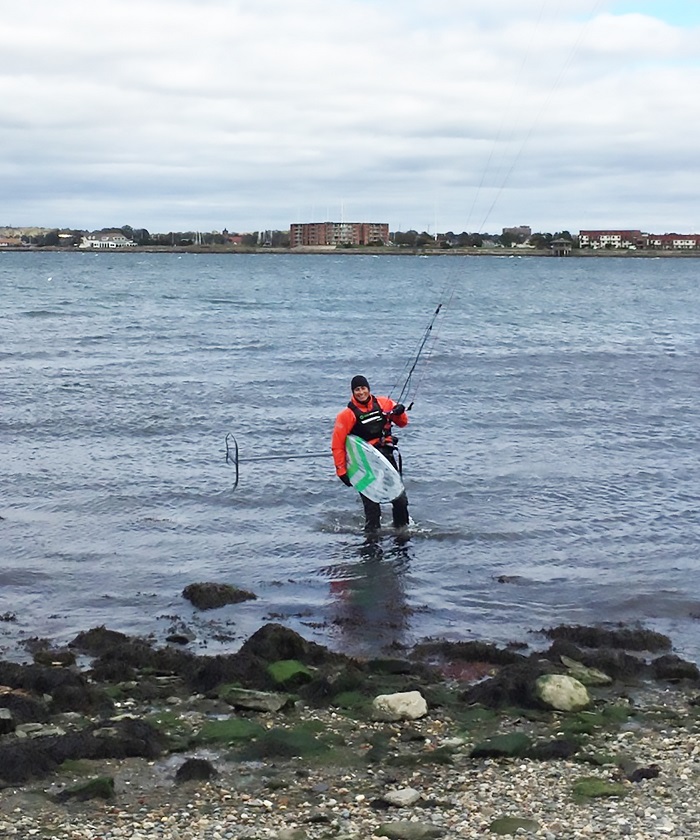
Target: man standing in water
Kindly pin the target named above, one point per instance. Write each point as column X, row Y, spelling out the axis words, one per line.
column 370, row 418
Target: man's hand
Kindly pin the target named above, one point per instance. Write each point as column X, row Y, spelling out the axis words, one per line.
column 346, row 481
column 398, row 409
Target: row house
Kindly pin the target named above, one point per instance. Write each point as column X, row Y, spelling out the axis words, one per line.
column 611, row 239
column 315, row 234
column 673, row 241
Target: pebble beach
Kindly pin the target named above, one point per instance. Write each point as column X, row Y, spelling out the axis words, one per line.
column 408, row 778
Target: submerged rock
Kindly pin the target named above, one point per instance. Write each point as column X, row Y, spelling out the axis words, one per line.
column 211, row 596
column 624, row 638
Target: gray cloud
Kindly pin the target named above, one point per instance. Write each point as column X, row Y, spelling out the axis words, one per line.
column 200, row 115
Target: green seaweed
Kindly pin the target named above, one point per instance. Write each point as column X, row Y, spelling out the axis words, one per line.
column 591, row 787
column 229, row 730
column 286, row 671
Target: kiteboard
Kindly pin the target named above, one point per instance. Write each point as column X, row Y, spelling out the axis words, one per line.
column 370, row 473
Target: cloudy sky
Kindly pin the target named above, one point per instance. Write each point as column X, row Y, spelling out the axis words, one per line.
column 440, row 115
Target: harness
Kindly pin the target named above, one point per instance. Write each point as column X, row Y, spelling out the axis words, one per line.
column 369, row 424
column 374, row 425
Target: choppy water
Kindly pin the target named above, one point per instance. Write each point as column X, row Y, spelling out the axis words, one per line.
column 551, row 460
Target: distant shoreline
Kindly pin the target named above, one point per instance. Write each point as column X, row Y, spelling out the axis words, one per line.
column 388, row 251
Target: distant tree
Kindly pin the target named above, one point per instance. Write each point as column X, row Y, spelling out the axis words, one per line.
column 541, row 240
column 49, row 239
column 564, row 234
column 406, row 238
column 250, row 240
column 141, row 236
column 507, row 239
column 424, row 239
column 470, row 240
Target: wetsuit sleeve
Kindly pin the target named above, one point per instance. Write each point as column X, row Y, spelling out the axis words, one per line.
column 343, row 426
column 387, row 404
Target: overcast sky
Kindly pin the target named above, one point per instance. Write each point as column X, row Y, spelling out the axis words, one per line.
column 440, row 115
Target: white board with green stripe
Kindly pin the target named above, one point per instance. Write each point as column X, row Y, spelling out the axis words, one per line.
column 370, row 473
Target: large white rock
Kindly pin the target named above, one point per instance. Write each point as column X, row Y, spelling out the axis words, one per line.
column 563, row 693
column 404, row 705
column 403, row 798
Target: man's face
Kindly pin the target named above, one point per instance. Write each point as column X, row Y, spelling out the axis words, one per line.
column 361, row 393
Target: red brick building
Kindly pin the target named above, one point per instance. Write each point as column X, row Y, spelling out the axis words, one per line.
column 338, row 234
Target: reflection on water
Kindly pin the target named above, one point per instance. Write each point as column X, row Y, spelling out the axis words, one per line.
column 369, row 596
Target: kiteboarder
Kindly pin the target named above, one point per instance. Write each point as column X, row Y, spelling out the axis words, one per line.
column 370, row 418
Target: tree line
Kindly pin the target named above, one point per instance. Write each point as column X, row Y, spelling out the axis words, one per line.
column 280, row 238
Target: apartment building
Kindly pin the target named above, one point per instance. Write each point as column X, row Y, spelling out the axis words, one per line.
column 611, row 239
column 673, row 241
column 338, row 234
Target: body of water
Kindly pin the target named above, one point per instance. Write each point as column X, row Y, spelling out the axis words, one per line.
column 551, row 458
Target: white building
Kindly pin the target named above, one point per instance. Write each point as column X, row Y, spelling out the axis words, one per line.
column 106, row 239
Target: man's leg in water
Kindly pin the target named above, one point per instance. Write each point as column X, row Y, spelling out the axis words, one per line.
column 400, row 511
column 373, row 514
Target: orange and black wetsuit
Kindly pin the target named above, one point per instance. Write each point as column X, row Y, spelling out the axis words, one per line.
column 369, row 421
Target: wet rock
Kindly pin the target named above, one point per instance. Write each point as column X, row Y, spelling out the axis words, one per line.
column 69, row 690
column 625, row 638
column 446, row 651
column 101, row 787
column 561, row 693
column 249, row 667
column 130, row 657
column 510, row 745
column 641, row 773
column 97, row 640
column 24, row 707
column 291, row 834
column 514, row 825
column 402, row 798
column 616, row 663
column 54, row 657
column 274, row 642
column 513, row 685
column 36, row 757
column 211, row 596
column 586, row 676
column 334, row 681
column 405, row 830
column 557, row 749
column 262, row 701
column 673, row 668
column 195, row 770
column 7, row 722
column 404, row 705
column 178, row 639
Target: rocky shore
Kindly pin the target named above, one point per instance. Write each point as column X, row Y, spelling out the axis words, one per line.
column 111, row 737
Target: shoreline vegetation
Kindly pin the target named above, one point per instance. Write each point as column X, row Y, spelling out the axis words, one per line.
column 113, row 737
column 394, row 251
